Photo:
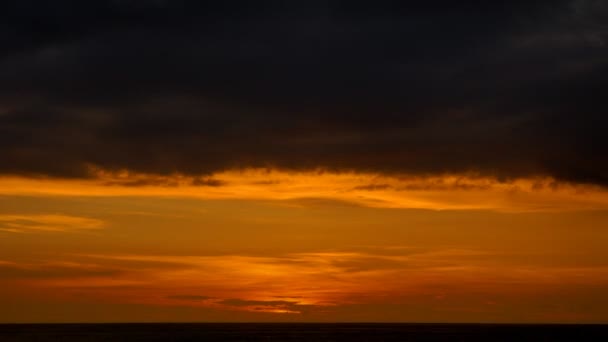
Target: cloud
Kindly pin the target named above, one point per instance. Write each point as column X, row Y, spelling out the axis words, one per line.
column 189, row 297
column 321, row 285
column 372, row 187
column 130, row 179
column 207, row 182
column 320, row 188
column 193, row 88
column 269, row 306
column 54, row 270
column 243, row 302
column 48, row 223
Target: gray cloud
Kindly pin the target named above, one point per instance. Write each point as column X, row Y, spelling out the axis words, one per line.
column 507, row 89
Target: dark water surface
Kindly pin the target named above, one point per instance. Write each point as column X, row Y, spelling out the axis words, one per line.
column 299, row 332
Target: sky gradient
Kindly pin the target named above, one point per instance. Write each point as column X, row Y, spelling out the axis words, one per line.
column 324, row 161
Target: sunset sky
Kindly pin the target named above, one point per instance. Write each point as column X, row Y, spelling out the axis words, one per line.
column 303, row 161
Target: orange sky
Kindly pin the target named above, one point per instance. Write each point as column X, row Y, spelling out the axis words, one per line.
column 271, row 245
column 303, row 161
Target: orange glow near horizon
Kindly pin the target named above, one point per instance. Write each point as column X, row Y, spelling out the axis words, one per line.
column 315, row 283
column 271, row 245
column 261, row 161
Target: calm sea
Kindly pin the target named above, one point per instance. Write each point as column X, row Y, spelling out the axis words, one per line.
column 300, row 332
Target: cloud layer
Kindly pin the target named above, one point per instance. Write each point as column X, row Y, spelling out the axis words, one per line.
column 398, row 283
column 507, row 89
column 47, row 223
column 312, row 188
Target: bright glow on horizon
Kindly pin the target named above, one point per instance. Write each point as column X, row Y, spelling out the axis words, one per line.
column 268, row 245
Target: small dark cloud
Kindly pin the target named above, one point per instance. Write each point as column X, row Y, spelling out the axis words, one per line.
column 161, row 181
column 268, row 182
column 200, row 181
column 143, row 182
column 441, row 186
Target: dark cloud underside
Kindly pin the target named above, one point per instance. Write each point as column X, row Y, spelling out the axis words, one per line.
column 506, row 88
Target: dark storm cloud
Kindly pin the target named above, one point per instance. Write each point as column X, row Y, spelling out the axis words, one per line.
column 507, row 88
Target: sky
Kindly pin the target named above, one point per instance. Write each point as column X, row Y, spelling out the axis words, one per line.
column 303, row 161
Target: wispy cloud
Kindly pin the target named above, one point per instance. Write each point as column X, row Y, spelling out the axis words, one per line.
column 274, row 306
column 54, row 270
column 310, row 283
column 47, row 223
column 444, row 192
column 189, row 297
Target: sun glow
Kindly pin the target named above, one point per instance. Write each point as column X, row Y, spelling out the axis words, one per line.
column 314, row 246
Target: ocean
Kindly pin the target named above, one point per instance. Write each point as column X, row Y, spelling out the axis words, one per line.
column 299, row 332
